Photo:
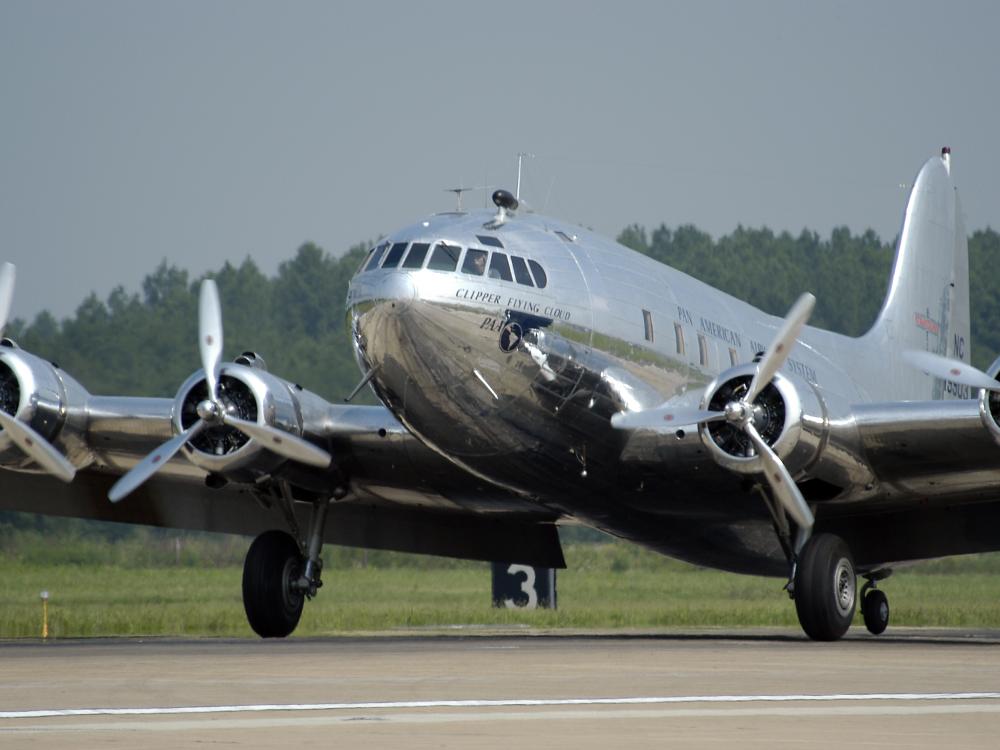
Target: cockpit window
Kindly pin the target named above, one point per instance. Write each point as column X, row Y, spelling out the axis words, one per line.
column 539, row 273
column 415, row 258
column 489, row 241
column 394, row 254
column 475, row 262
column 499, row 267
column 376, row 256
column 364, row 261
column 521, row 271
column 444, row 258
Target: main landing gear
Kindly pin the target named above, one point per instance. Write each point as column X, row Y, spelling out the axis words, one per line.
column 824, row 586
column 278, row 577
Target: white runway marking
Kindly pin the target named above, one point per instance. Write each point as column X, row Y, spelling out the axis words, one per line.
column 573, row 714
column 512, row 703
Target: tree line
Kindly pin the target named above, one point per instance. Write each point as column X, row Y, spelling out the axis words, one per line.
column 145, row 343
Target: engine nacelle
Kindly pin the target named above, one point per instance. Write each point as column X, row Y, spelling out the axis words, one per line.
column 247, row 392
column 45, row 398
column 790, row 416
column 989, row 403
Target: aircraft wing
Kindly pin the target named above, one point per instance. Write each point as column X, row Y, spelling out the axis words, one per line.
column 925, row 449
column 397, row 494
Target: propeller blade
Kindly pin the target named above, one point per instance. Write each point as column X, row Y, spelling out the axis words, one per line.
column 7, row 276
column 37, row 447
column 210, row 334
column 781, row 346
column 784, row 488
column 950, row 369
column 152, row 463
column 662, row 418
column 283, row 443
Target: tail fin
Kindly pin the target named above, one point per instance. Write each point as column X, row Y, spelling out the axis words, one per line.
column 927, row 305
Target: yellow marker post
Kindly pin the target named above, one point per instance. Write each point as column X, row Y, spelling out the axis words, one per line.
column 45, row 614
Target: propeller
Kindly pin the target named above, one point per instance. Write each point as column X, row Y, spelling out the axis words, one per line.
column 22, row 435
column 662, row 416
column 951, row 369
column 8, row 274
column 740, row 413
column 212, row 412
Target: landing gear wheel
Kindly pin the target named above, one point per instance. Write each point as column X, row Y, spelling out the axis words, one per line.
column 875, row 610
column 825, row 588
column 271, row 571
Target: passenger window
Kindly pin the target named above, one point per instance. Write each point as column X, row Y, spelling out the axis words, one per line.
column 500, row 268
column 702, row 351
column 521, row 271
column 444, row 258
column 734, row 358
column 647, row 324
column 394, row 254
column 475, row 262
column 539, row 273
column 377, row 256
column 679, row 337
column 415, row 258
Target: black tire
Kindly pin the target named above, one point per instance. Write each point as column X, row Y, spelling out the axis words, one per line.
column 825, row 588
column 875, row 610
column 273, row 562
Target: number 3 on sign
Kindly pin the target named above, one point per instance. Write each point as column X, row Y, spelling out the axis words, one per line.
column 527, row 586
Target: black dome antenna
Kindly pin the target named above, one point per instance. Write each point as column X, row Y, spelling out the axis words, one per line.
column 505, row 201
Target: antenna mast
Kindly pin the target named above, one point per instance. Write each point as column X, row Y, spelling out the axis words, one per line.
column 520, row 157
column 458, row 193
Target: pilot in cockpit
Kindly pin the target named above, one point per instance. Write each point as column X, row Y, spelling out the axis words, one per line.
column 479, row 264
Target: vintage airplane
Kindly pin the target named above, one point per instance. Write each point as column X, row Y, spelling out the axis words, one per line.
column 533, row 373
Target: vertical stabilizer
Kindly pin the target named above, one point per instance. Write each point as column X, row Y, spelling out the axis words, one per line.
column 927, row 305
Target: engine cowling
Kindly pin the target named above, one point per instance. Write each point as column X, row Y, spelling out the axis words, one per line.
column 247, row 392
column 789, row 414
column 989, row 403
column 45, row 398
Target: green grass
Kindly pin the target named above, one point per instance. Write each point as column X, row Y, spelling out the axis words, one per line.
column 607, row 586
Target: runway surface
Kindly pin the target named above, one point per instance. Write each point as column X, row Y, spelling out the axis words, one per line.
column 747, row 689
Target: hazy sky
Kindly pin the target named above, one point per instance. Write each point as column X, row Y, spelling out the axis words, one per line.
column 200, row 132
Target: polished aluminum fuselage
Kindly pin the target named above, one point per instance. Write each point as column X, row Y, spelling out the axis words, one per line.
column 612, row 330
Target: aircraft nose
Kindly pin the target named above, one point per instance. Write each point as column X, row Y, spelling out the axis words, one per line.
column 398, row 288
